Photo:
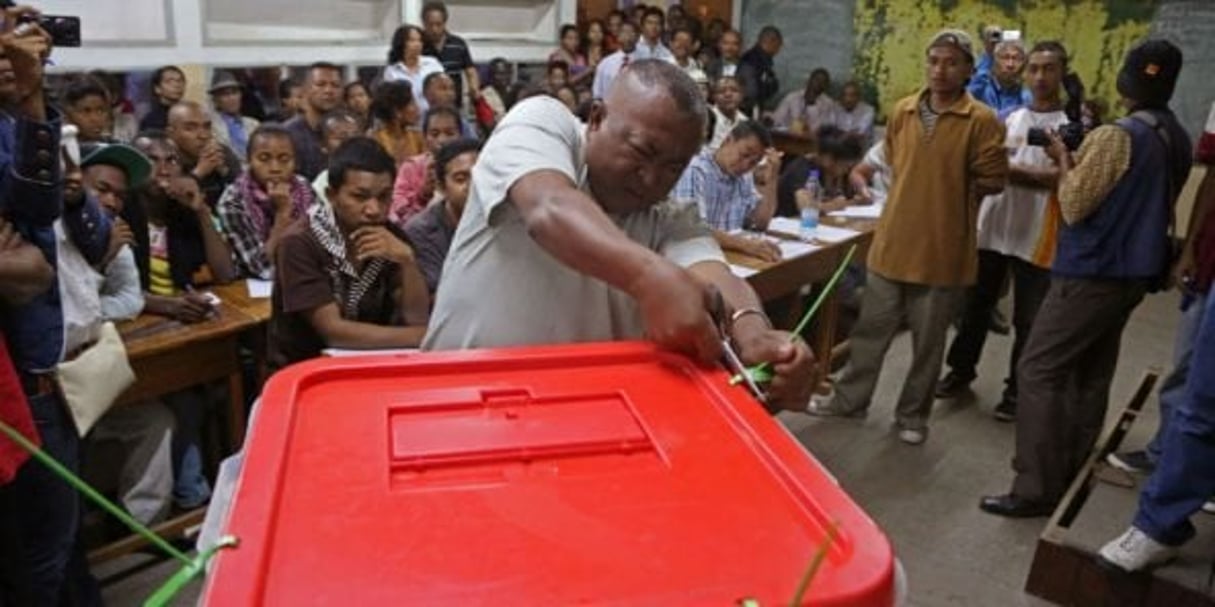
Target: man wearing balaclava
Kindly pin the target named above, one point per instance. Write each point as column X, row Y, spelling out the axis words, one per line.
column 1116, row 196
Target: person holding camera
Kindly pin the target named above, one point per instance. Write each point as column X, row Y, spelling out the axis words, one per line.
column 1017, row 230
column 1116, row 197
column 32, row 200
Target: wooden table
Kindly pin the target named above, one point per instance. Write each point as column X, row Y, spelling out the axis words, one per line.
column 792, row 144
column 782, row 281
column 168, row 356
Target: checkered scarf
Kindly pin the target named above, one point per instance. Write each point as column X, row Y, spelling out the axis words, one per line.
column 349, row 285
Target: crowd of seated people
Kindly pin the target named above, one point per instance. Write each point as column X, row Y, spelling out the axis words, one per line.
column 349, row 196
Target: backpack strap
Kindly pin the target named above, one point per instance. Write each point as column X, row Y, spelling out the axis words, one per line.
column 1162, row 133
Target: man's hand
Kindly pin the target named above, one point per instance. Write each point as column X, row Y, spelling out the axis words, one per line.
column 791, row 360
column 1057, row 150
column 185, row 191
column 120, row 236
column 377, row 241
column 210, row 159
column 26, row 45
column 26, row 272
column 760, row 248
column 835, row 204
column 1184, row 269
column 771, row 165
column 191, row 308
column 676, row 307
column 280, row 195
column 864, row 195
column 10, row 238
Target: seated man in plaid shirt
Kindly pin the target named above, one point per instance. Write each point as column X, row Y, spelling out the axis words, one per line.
column 722, row 182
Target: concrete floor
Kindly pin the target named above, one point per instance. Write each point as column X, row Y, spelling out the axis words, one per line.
column 926, row 497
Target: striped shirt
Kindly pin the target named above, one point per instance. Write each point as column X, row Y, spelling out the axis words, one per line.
column 725, row 201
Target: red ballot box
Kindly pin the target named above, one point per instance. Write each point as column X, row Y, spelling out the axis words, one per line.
column 584, row 474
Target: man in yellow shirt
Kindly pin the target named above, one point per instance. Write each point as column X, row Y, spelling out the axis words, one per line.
column 947, row 152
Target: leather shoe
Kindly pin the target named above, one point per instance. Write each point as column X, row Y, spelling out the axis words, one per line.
column 1011, row 506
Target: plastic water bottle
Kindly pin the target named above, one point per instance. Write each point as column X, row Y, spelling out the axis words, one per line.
column 809, row 209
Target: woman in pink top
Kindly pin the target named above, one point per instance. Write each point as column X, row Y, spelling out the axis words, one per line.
column 415, row 185
column 570, row 52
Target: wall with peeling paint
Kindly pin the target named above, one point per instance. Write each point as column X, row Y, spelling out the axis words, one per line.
column 881, row 42
column 891, row 36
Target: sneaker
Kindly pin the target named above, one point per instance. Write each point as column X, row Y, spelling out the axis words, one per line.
column 1135, row 551
column 1006, row 411
column 913, row 436
column 1209, row 506
column 824, row 406
column 1136, row 462
column 953, row 384
column 999, row 323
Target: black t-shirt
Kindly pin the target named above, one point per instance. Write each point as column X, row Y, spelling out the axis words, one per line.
column 793, row 177
column 456, row 58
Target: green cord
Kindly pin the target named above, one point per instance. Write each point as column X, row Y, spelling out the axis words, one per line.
column 761, row 373
column 815, row 563
column 92, row 493
column 165, row 594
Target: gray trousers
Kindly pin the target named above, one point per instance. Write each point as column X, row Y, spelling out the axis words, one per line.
column 1063, row 380
column 885, row 305
column 144, row 432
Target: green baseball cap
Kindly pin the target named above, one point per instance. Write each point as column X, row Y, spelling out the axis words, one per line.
column 137, row 166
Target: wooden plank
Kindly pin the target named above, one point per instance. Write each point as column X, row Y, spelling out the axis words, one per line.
column 1070, row 575
column 172, row 529
column 1077, row 494
column 1053, row 572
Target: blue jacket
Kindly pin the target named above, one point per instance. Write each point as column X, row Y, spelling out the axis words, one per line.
column 31, row 197
column 1127, row 237
column 984, row 87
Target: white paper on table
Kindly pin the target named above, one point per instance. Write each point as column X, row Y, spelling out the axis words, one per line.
column 785, row 225
column 743, row 271
column 259, row 289
column 869, row 211
column 342, row 352
column 795, row 248
column 828, row 233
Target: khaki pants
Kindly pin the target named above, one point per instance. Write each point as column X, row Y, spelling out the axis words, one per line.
column 885, row 305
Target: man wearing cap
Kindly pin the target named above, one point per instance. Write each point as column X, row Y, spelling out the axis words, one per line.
column 109, row 172
column 1116, row 196
column 232, row 129
column 1194, row 273
column 946, row 152
column 145, row 432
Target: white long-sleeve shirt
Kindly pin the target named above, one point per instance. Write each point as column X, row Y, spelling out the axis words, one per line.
column 121, row 294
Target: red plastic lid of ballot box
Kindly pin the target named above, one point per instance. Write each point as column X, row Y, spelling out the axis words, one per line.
column 603, row 473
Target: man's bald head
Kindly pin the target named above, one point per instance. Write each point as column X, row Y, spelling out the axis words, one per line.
column 189, row 126
column 184, row 110
column 661, row 79
column 641, row 137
